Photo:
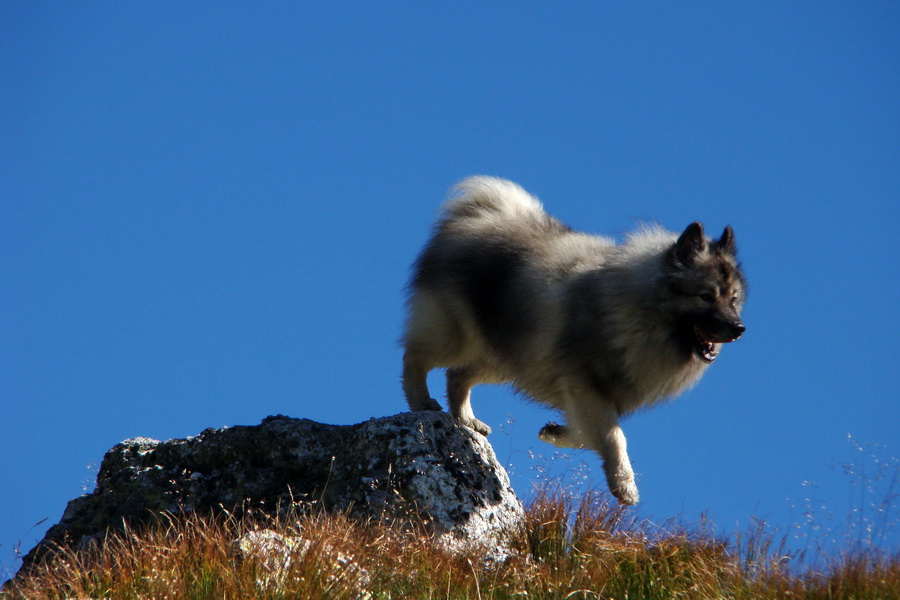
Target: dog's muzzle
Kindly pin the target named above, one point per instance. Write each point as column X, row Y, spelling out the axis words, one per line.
column 707, row 343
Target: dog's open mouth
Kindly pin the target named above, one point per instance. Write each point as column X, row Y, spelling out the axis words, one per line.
column 706, row 344
column 704, row 348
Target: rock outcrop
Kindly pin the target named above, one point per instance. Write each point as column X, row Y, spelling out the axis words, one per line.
column 421, row 465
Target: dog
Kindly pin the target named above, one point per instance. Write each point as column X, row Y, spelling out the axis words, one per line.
column 505, row 293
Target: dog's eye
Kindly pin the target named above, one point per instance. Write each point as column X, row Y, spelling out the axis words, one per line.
column 707, row 297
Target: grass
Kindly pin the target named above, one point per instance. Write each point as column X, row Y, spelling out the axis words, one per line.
column 575, row 544
column 571, row 547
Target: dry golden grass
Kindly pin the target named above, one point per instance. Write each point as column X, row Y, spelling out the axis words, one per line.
column 569, row 548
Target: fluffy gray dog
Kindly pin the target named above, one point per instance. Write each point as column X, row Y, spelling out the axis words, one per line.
column 505, row 293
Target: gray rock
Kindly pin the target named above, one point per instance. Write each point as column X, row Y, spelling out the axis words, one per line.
column 275, row 553
column 420, row 466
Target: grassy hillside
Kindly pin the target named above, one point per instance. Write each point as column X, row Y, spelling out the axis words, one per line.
column 570, row 548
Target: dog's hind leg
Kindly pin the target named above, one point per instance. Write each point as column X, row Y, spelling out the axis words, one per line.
column 415, row 384
column 459, row 386
column 431, row 340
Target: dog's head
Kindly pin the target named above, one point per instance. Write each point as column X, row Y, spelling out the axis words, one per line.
column 706, row 291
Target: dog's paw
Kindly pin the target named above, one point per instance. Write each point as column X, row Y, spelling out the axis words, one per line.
column 559, row 435
column 479, row 426
column 626, row 492
column 552, row 433
column 425, row 404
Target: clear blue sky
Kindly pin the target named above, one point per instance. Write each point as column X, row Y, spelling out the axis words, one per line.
column 208, row 212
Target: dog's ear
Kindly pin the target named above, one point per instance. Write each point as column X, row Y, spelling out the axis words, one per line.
column 690, row 245
column 726, row 244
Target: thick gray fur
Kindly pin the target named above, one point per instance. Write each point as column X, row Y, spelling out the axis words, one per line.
column 505, row 293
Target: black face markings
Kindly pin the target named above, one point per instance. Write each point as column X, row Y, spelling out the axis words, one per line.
column 725, row 275
column 709, row 290
column 733, row 285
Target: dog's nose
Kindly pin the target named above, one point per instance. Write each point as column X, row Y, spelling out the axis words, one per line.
column 738, row 329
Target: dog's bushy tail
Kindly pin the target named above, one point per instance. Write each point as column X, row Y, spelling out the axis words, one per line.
column 484, row 196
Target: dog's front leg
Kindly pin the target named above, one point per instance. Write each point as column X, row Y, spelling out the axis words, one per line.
column 619, row 475
column 593, row 423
